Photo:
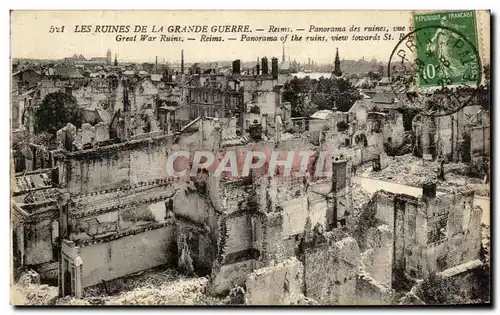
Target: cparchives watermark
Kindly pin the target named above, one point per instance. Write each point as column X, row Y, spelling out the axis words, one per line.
column 242, row 163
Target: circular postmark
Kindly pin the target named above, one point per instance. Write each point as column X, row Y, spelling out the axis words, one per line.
column 435, row 68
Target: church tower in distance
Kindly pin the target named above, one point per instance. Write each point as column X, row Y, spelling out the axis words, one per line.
column 336, row 71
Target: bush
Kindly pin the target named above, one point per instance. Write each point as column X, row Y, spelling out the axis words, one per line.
column 342, row 126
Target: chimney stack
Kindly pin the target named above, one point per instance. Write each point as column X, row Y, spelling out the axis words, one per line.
column 274, row 68
column 265, row 66
column 429, row 190
column 236, row 66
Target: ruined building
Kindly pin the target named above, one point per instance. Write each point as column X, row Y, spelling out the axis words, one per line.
column 463, row 136
column 432, row 233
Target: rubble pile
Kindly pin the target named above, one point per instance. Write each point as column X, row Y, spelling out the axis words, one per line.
column 29, row 290
column 153, row 287
column 359, row 197
column 180, row 292
column 413, row 171
column 69, row 300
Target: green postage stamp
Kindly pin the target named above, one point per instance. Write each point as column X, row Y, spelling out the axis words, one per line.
column 446, row 48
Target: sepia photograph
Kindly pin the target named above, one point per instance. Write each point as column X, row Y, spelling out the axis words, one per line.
column 249, row 158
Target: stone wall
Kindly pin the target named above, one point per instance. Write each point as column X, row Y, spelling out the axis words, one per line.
column 231, row 275
column 330, row 272
column 453, row 231
column 431, row 233
column 275, row 285
column 126, row 255
column 38, row 243
column 89, row 134
column 480, row 141
column 116, row 165
column 377, row 259
column 100, row 215
column 370, row 292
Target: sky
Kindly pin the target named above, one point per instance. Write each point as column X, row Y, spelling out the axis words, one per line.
column 30, row 36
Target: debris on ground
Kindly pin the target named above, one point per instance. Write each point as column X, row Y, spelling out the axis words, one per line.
column 152, row 287
column 28, row 290
column 360, row 197
column 413, row 171
column 28, row 277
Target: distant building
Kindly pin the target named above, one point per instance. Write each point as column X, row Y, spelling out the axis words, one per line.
column 337, row 73
column 108, row 56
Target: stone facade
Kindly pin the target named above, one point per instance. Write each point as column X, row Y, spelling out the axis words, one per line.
column 431, row 233
column 275, row 285
column 331, row 271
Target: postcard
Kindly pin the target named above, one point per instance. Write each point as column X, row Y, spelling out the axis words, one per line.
column 336, row 158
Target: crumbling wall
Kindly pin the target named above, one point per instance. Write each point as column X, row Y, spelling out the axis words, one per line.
column 191, row 205
column 394, row 129
column 318, row 207
column 467, row 278
column 453, row 234
column 370, row 292
column 196, row 250
column 119, row 164
column 295, row 213
column 384, row 207
column 272, row 245
column 100, row 215
column 90, row 97
column 126, row 255
column 480, row 141
column 38, row 242
column 330, row 272
column 275, row 285
column 239, row 230
column 377, row 259
column 89, row 134
column 231, row 275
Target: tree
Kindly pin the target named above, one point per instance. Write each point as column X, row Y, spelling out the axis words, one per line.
column 374, row 75
column 296, row 91
column 335, row 92
column 306, row 95
column 56, row 111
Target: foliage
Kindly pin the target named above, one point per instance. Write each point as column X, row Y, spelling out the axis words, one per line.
column 307, row 96
column 57, row 109
column 45, row 139
column 436, row 290
column 297, row 92
column 342, row 126
column 408, row 114
column 374, row 75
